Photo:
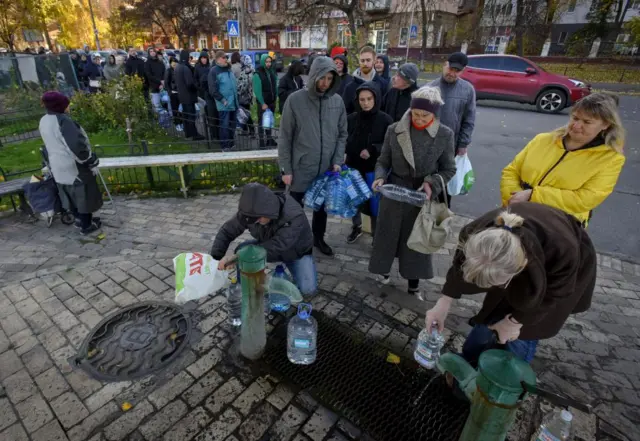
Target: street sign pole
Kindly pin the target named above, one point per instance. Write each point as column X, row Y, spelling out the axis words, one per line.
column 242, row 34
column 406, row 58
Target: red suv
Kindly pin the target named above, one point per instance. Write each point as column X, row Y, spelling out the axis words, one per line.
column 511, row 78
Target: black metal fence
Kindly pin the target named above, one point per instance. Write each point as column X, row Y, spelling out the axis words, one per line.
column 19, row 125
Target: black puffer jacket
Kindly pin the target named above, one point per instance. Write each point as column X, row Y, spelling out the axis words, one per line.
column 200, row 75
column 286, row 238
column 366, row 132
column 185, row 83
column 134, row 66
column 397, row 102
column 346, row 91
column 154, row 73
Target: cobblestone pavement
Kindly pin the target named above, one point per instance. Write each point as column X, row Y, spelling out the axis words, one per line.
column 57, row 285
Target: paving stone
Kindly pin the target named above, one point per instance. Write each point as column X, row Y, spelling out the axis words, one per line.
column 103, row 304
column 213, row 304
column 351, row 431
column 14, row 433
column 51, row 383
column 205, row 363
column 389, row 308
column 110, row 288
column 203, row 388
column 39, row 322
column 13, row 324
column 584, row 360
column 627, row 354
column 37, row 360
column 306, row 401
column 72, row 277
column 254, row 427
column 162, row 421
column 90, row 317
column 87, row 290
column 117, row 275
column 106, row 394
column 160, row 272
column 212, row 321
column 621, row 366
column 34, row 413
column 50, row 432
column 156, row 285
column 288, row 424
column 372, row 301
column 41, row 293
column 15, row 293
column 333, row 308
column 363, row 324
column 23, row 341
column 187, row 428
column 396, row 340
column 52, row 340
column 63, row 292
column 139, row 273
column 8, row 416
column 65, row 320
column 61, row 358
column 6, row 308
column 222, row 427
column 128, row 422
column 125, row 299
column 133, row 286
column 379, row 331
column 52, row 280
column 281, row 396
column 405, row 316
column 5, row 343
column 77, row 305
column 224, row 395
column 320, row 424
column 92, row 422
column 27, row 307
column 337, row 436
column 69, row 409
column 82, row 384
column 95, row 277
column 255, row 393
column 167, row 392
column 53, row 306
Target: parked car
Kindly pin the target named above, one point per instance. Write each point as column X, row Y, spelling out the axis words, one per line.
column 512, row 78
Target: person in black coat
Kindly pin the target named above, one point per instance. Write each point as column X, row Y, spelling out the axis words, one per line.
column 154, row 77
column 398, row 99
column 93, row 73
column 187, row 94
column 290, row 82
column 348, row 96
column 134, row 65
column 367, row 127
column 383, row 71
column 172, row 88
column 202, row 67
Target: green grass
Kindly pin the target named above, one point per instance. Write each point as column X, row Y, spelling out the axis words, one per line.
column 14, row 127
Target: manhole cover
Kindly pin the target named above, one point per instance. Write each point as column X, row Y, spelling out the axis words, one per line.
column 135, row 341
column 351, row 376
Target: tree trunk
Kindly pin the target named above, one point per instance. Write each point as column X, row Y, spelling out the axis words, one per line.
column 623, row 8
column 47, row 38
column 425, row 27
column 353, row 41
column 476, row 23
column 520, row 28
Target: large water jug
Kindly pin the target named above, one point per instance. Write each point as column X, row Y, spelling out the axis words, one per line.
column 278, row 301
column 302, row 336
column 428, row 346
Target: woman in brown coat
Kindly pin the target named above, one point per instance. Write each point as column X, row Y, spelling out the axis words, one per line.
column 537, row 266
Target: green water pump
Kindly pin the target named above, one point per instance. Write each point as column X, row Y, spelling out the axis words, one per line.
column 496, row 390
column 252, row 261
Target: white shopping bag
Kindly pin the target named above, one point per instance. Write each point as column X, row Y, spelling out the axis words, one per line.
column 463, row 180
column 197, row 276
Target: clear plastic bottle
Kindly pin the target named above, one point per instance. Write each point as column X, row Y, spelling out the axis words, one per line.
column 234, row 303
column 278, row 301
column 302, row 336
column 556, row 426
column 402, row 194
column 267, row 119
column 428, row 347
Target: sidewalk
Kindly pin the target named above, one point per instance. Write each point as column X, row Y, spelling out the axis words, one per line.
column 58, row 285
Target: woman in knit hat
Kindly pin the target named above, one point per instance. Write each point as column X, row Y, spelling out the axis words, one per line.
column 72, row 163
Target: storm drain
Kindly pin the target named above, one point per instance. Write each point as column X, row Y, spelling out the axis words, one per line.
column 134, row 342
column 389, row 401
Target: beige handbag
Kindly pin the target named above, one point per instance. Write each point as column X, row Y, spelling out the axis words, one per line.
column 432, row 226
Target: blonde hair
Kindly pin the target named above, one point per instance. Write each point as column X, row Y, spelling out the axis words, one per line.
column 602, row 106
column 429, row 93
column 495, row 255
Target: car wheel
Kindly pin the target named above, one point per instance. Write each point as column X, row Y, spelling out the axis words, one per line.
column 551, row 101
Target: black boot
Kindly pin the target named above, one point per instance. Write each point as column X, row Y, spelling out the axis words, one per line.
column 356, row 232
column 320, row 244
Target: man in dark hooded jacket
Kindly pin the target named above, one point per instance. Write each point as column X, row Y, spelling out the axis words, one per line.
column 398, row 99
column 278, row 224
column 187, row 95
column 134, row 65
column 154, row 77
column 383, row 72
column 202, row 67
column 313, row 133
column 342, row 65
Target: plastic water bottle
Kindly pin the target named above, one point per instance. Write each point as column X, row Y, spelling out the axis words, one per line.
column 351, row 190
column 401, row 194
column 302, row 336
column 428, row 346
column 277, row 301
column 555, row 427
column 267, row 119
column 234, row 303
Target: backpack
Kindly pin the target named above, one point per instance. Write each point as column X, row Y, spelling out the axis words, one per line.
column 245, row 87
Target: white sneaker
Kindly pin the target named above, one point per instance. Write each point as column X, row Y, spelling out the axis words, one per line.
column 179, row 128
column 384, row 279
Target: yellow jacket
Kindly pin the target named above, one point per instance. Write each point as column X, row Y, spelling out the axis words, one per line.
column 575, row 182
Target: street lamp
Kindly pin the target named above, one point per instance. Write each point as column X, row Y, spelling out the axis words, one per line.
column 95, row 29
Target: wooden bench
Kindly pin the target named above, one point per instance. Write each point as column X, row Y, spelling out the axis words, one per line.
column 13, row 187
column 181, row 160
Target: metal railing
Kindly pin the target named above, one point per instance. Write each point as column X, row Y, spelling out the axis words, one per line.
column 19, row 125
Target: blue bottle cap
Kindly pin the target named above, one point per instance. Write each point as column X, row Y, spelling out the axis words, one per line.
column 279, row 269
column 304, row 310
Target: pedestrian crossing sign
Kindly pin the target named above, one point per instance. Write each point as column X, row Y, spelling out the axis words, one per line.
column 233, row 28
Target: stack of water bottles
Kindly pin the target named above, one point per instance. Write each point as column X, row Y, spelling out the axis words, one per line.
column 340, row 192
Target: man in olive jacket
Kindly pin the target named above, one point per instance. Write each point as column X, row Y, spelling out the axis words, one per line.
column 278, row 224
column 313, row 135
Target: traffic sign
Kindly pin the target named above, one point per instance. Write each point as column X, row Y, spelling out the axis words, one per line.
column 233, row 28
column 413, row 34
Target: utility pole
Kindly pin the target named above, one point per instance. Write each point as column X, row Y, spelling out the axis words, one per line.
column 95, row 29
column 242, row 27
column 406, row 58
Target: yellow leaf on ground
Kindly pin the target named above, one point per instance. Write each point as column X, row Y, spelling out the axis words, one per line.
column 393, row 358
column 126, row 406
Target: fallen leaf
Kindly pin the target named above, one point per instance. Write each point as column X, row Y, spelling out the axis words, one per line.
column 126, row 406
column 393, row 358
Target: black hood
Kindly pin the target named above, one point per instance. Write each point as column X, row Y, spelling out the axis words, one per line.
column 345, row 61
column 204, row 54
column 258, row 201
column 387, row 68
column 296, row 68
column 112, row 59
column 373, row 88
column 184, row 56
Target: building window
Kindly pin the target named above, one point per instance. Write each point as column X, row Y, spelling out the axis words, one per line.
column 272, row 5
column 234, row 43
column 572, row 6
column 317, row 37
column 255, row 41
column 404, row 37
column 562, row 38
column 294, row 36
column 344, row 35
column 203, row 43
column 254, row 5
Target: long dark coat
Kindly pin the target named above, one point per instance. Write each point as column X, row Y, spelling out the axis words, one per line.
column 558, row 280
column 410, row 158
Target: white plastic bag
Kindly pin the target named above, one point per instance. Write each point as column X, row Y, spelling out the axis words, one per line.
column 464, row 178
column 197, row 276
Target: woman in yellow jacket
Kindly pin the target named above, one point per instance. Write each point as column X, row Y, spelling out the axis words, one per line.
column 573, row 168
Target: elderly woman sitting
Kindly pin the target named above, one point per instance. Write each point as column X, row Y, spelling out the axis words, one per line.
column 537, row 266
column 416, row 150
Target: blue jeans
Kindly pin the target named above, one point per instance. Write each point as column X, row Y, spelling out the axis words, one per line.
column 481, row 338
column 303, row 270
column 156, row 101
column 227, row 128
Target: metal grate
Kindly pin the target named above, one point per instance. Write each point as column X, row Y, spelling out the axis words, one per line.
column 388, row 401
column 135, row 342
